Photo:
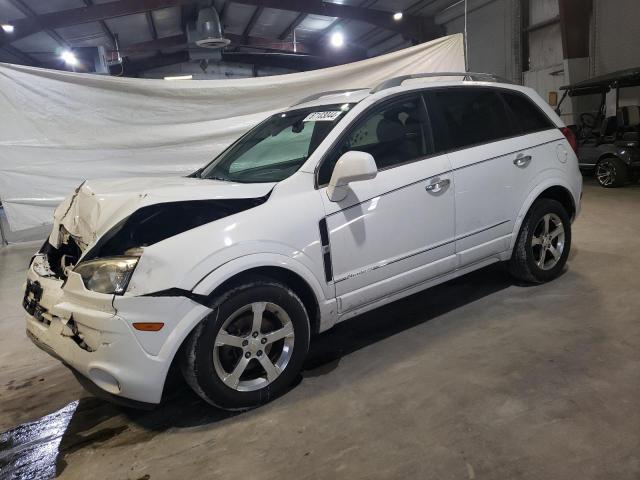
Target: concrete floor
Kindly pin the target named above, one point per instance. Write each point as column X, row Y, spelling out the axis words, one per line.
column 477, row 378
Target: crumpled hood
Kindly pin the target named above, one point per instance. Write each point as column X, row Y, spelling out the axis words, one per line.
column 97, row 205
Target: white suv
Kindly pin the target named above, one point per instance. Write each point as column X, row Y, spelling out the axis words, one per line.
column 342, row 203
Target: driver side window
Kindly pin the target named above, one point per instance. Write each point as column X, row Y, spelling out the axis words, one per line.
column 394, row 133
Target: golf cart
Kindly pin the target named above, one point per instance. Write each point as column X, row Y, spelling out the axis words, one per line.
column 608, row 145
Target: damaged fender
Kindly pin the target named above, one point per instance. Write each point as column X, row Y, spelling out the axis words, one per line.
column 323, row 292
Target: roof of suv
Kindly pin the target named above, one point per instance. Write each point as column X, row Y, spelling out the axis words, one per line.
column 355, row 95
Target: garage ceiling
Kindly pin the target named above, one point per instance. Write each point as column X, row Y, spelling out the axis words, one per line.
column 152, row 33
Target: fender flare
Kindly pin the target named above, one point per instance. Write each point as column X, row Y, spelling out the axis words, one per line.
column 532, row 197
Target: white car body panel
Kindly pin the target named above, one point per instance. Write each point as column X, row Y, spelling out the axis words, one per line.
column 372, row 242
column 388, row 238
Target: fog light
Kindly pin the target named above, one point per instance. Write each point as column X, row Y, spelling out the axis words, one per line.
column 104, row 380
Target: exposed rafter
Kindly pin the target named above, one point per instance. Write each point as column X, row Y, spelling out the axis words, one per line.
column 24, row 8
column 152, row 26
column 384, row 39
column 76, row 16
column 135, row 67
column 292, row 26
column 178, row 42
column 289, row 61
column 414, row 8
column 420, row 28
column 252, row 21
column 103, row 25
column 24, row 57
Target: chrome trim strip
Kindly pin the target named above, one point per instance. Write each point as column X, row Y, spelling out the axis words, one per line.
column 471, row 265
column 385, row 263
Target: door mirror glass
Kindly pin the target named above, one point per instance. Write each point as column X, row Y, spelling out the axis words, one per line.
column 353, row 166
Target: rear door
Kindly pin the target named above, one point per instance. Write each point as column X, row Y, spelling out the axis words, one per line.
column 498, row 141
column 473, row 125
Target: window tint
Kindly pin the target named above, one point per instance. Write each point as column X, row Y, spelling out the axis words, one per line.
column 467, row 116
column 394, row 133
column 528, row 116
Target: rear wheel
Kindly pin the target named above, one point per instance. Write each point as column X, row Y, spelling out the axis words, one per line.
column 250, row 349
column 611, row 172
column 543, row 244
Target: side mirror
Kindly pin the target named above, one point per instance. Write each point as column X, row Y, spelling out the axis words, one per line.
column 353, row 166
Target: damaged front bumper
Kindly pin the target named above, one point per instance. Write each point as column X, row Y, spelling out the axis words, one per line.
column 93, row 334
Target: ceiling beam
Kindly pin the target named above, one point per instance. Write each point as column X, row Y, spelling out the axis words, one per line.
column 76, row 16
column 252, row 21
column 103, row 25
column 420, row 28
column 25, row 58
column 132, row 68
column 386, row 38
column 289, row 61
column 152, row 26
column 181, row 42
column 20, row 5
column 292, row 26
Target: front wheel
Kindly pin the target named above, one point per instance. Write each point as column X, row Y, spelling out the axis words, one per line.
column 543, row 244
column 250, row 349
column 611, row 172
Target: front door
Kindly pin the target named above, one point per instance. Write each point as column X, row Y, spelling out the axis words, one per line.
column 397, row 230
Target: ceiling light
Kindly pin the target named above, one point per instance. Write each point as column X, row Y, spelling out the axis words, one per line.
column 180, row 77
column 8, row 28
column 69, row 58
column 337, row 39
column 397, row 16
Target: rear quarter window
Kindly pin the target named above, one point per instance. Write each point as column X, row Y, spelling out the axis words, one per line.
column 528, row 116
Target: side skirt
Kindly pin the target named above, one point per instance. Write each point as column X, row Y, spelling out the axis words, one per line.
column 432, row 282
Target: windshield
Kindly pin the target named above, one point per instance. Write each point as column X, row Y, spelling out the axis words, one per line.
column 276, row 148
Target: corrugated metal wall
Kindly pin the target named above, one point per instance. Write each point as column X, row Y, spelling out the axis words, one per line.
column 491, row 32
column 615, row 35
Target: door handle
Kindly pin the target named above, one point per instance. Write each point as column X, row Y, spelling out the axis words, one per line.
column 522, row 160
column 438, row 185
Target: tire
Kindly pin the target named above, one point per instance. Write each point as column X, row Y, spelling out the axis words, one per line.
column 525, row 262
column 212, row 355
column 611, row 172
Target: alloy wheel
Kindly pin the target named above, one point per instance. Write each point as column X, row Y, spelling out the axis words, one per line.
column 547, row 241
column 253, row 346
column 606, row 173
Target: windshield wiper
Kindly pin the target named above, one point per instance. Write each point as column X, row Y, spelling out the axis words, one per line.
column 216, row 178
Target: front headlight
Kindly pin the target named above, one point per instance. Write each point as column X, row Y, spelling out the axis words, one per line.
column 107, row 275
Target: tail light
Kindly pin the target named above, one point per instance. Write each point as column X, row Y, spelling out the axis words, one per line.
column 571, row 138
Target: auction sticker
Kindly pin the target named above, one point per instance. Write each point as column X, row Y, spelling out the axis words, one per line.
column 323, row 116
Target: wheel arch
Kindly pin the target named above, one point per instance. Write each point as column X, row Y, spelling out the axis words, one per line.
column 284, row 275
column 610, row 155
column 294, row 276
column 556, row 191
column 560, row 194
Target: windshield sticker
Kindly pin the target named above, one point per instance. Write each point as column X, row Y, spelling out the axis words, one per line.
column 323, row 116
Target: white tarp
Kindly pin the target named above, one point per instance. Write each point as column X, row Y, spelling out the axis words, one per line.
column 59, row 128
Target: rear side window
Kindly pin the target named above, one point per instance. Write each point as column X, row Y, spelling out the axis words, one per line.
column 529, row 117
column 462, row 117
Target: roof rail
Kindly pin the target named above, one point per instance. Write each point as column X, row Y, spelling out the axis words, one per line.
column 316, row 96
column 468, row 76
